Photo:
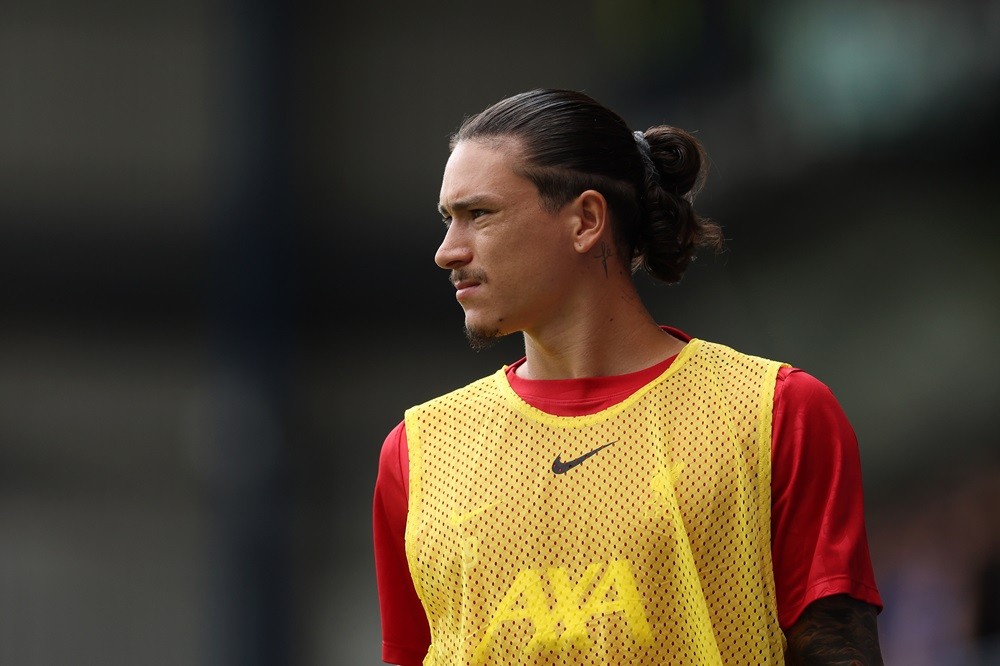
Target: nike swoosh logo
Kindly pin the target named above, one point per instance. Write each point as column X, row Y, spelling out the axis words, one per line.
column 560, row 467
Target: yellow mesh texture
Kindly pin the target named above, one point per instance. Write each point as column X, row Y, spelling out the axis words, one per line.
column 653, row 550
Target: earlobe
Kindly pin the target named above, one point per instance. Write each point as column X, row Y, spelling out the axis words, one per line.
column 591, row 221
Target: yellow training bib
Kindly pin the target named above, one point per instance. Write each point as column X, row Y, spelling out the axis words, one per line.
column 637, row 535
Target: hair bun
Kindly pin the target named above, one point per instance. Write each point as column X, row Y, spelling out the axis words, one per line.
column 672, row 230
column 679, row 159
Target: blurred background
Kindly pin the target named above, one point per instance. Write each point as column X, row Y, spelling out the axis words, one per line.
column 217, row 288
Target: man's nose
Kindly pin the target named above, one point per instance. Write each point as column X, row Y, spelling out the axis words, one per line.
column 455, row 250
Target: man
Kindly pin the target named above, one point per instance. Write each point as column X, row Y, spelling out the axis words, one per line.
column 624, row 494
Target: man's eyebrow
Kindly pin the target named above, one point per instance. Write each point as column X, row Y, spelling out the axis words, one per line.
column 464, row 204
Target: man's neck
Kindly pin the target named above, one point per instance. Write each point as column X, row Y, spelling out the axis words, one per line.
column 617, row 337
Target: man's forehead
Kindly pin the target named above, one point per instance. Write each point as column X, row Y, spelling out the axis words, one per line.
column 477, row 168
column 473, row 155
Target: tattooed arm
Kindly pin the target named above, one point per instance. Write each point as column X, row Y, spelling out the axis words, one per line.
column 835, row 631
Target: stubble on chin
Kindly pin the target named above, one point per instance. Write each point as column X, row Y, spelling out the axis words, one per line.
column 481, row 338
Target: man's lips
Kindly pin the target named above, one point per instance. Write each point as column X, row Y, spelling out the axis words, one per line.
column 464, row 288
column 466, row 281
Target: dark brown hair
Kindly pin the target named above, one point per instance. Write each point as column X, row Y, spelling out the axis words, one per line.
column 571, row 143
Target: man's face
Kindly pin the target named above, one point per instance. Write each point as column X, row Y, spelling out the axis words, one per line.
column 510, row 258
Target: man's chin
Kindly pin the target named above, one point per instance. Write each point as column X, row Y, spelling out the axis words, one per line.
column 481, row 338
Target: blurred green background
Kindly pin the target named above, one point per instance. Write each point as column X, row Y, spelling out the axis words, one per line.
column 217, row 227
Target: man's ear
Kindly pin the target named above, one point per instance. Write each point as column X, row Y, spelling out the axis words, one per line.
column 590, row 220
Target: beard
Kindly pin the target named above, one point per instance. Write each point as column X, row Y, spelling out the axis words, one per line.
column 481, row 338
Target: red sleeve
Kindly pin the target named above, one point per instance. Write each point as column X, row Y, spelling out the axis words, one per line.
column 819, row 545
column 405, row 632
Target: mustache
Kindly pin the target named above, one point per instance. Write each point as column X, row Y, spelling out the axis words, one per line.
column 467, row 275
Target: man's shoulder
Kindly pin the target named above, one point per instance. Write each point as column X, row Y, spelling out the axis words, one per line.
column 474, row 391
column 719, row 353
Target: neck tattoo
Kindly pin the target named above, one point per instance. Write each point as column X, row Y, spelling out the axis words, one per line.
column 603, row 255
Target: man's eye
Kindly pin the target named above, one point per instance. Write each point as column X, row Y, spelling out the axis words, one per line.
column 477, row 213
column 446, row 221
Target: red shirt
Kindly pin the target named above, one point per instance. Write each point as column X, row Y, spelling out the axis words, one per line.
column 818, row 542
